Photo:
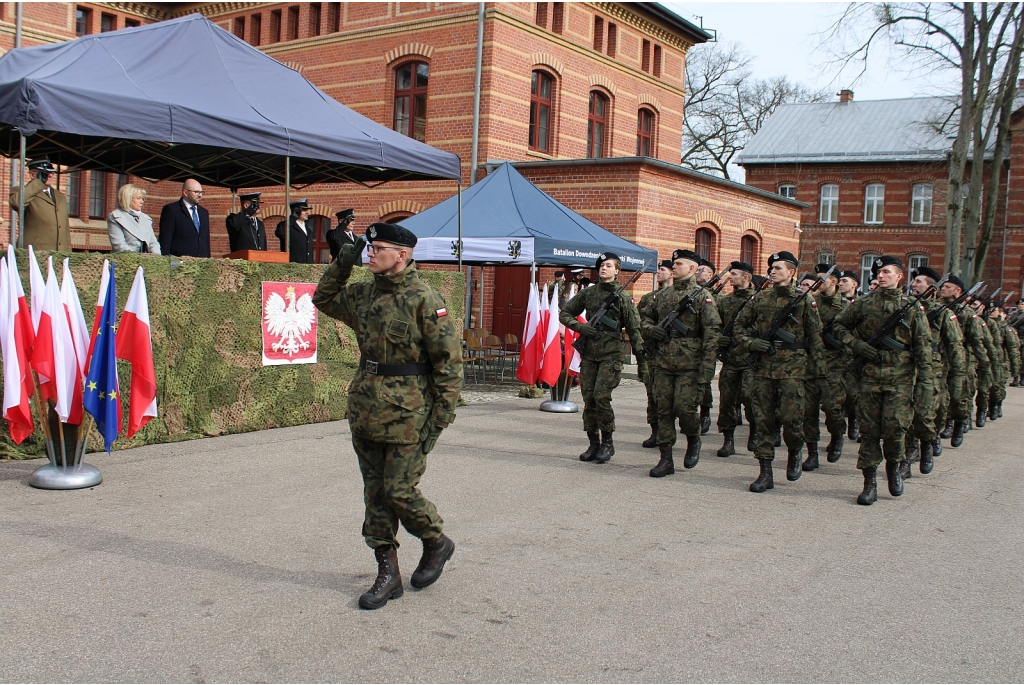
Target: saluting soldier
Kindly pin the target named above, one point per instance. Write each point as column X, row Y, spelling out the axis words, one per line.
column 246, row 230
column 830, row 303
column 895, row 376
column 734, row 378
column 664, row 282
column 602, row 352
column 786, row 362
column 403, row 395
column 46, row 209
column 705, row 272
column 683, row 360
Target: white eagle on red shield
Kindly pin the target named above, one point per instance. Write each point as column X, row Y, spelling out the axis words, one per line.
column 289, row 321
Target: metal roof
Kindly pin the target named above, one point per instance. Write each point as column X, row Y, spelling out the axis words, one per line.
column 867, row 131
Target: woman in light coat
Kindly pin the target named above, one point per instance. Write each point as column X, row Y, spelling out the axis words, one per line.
column 128, row 227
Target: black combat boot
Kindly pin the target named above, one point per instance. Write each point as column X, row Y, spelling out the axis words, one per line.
column 435, row 553
column 835, row 448
column 1014, row 383
column 993, row 411
column 765, row 481
column 937, row 447
column 999, row 409
column 927, row 458
column 910, row 450
column 811, row 462
column 957, row 438
column 948, row 430
column 728, row 447
column 892, row 470
column 870, row 494
column 793, row 471
column 852, row 433
column 607, row 449
column 388, row 584
column 665, row 466
column 905, row 471
column 692, row 455
column 595, row 443
column 980, row 420
column 705, row 420
column 778, row 436
column 653, row 440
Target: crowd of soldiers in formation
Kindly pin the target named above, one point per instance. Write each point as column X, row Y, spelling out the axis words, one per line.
column 916, row 360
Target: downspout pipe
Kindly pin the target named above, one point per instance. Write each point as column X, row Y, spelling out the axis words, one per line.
column 475, row 159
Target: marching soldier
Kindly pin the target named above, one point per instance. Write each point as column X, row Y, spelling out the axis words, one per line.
column 683, row 360
column 976, row 359
column 664, row 282
column 830, row 303
column 849, row 286
column 246, row 230
column 887, row 386
column 403, row 395
column 705, row 272
column 987, row 381
column 734, row 378
column 1011, row 343
column 602, row 352
column 786, row 361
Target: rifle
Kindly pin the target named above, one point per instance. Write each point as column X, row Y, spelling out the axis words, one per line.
column 881, row 338
column 672, row 318
column 601, row 321
column 934, row 316
column 732, row 322
column 774, row 332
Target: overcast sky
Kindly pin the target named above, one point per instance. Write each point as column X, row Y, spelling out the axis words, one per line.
column 784, row 39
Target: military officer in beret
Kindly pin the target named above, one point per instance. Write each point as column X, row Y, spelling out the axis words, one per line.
column 246, row 230
column 785, row 363
column 301, row 236
column 896, row 375
column 664, row 283
column 976, row 360
column 734, row 378
column 849, row 286
column 705, row 272
column 603, row 349
column 342, row 233
column 849, row 283
column 403, row 395
column 683, row 360
column 46, row 209
column 987, row 381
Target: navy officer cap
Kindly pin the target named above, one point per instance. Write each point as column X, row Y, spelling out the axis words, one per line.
column 345, row 214
column 41, row 165
column 391, row 233
column 741, row 266
column 299, row 204
column 928, row 272
column 783, row 257
column 604, row 257
column 687, row 254
column 249, row 197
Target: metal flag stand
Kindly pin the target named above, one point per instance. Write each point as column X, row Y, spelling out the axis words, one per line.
column 58, row 474
column 559, row 402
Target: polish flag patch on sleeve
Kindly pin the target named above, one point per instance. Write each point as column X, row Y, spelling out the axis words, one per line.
column 442, row 312
column 709, row 301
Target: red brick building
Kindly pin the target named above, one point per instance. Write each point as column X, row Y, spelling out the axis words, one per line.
column 873, row 175
column 566, row 88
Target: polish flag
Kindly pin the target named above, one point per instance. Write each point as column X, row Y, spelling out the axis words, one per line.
column 37, row 287
column 572, row 355
column 135, row 344
column 104, row 281
column 23, row 317
column 529, row 348
column 16, row 373
column 42, row 349
column 61, row 354
column 551, row 365
column 79, row 338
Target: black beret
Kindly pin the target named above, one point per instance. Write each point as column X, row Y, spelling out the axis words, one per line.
column 391, row 233
column 41, row 165
column 709, row 264
column 955, row 280
column 298, row 205
column 559, row 274
column 927, row 271
column 604, row 257
column 345, row 214
column 849, row 273
column 741, row 266
column 823, row 269
column 887, row 260
column 687, row 254
column 783, row 257
column 808, row 276
column 665, row 263
column 249, row 197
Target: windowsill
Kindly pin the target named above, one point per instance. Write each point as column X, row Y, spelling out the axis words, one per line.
column 541, row 155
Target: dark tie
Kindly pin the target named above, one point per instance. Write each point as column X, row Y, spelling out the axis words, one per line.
column 195, row 217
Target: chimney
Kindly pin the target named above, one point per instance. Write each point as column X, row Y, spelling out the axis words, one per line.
column 846, row 95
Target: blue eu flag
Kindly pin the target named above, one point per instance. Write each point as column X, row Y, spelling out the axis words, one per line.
column 102, row 396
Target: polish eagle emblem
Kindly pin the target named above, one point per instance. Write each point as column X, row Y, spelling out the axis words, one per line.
column 289, row 321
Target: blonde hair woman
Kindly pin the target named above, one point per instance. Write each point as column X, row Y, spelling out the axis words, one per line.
column 129, row 228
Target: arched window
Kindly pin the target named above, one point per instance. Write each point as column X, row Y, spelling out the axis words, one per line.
column 830, row 203
column 540, row 111
column 597, row 124
column 916, row 261
column 704, row 243
column 788, row 190
column 395, row 217
column 320, row 224
column 645, row 133
column 411, row 100
column 748, row 250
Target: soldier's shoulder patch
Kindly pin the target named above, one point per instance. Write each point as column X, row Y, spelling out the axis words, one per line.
column 441, row 312
column 982, row 324
column 814, row 303
column 921, row 307
column 710, row 301
column 952, row 317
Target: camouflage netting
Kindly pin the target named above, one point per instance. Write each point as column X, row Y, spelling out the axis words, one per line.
column 205, row 317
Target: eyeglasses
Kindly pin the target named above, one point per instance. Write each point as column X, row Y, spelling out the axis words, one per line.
column 375, row 249
column 195, row 192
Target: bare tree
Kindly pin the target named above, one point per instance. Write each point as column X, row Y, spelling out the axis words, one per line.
column 725, row 106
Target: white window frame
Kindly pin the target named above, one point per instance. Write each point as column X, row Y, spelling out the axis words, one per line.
column 831, row 203
column 874, row 203
column 866, row 262
column 826, row 257
column 921, row 203
column 916, row 261
column 788, row 190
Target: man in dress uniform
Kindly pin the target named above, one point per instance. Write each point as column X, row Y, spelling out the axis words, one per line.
column 897, row 374
column 403, row 395
column 602, row 351
column 46, row 209
column 342, row 234
column 246, row 230
column 683, row 360
column 664, row 282
column 734, row 378
column 705, row 272
column 301, row 236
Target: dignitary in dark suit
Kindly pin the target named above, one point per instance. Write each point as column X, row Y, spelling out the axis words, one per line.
column 46, row 209
column 246, row 230
column 184, row 225
column 301, row 236
column 342, row 234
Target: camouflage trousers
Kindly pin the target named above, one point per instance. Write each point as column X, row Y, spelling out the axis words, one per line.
column 965, row 405
column 733, row 394
column 925, row 422
column 997, row 393
column 597, row 380
column 677, row 395
column 652, row 404
column 777, row 402
column 832, row 405
column 850, row 385
column 985, row 384
column 955, row 404
column 884, row 417
column 391, row 473
column 707, row 399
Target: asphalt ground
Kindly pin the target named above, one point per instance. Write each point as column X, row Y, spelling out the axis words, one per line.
column 239, row 559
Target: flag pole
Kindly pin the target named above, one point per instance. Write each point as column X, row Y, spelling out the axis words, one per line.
column 63, row 447
column 84, row 440
column 42, row 420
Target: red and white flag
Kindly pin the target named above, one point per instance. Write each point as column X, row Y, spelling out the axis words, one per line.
column 104, row 281
column 135, row 344
column 17, row 376
column 572, row 355
column 37, row 287
column 42, row 348
column 552, row 364
column 529, row 347
column 79, row 337
column 60, row 354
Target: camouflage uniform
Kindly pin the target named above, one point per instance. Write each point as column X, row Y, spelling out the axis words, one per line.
column 777, row 387
column 887, row 390
column 949, row 367
column 398, row 320
column 682, row 363
column 836, row 358
column 1011, row 341
column 978, row 362
column 643, row 364
column 1000, row 370
column 601, row 358
column 989, row 380
column 734, row 377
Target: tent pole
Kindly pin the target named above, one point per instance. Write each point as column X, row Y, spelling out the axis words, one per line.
column 14, row 163
column 480, row 317
column 234, row 199
column 288, row 205
column 476, row 93
column 467, row 304
column 21, row 187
